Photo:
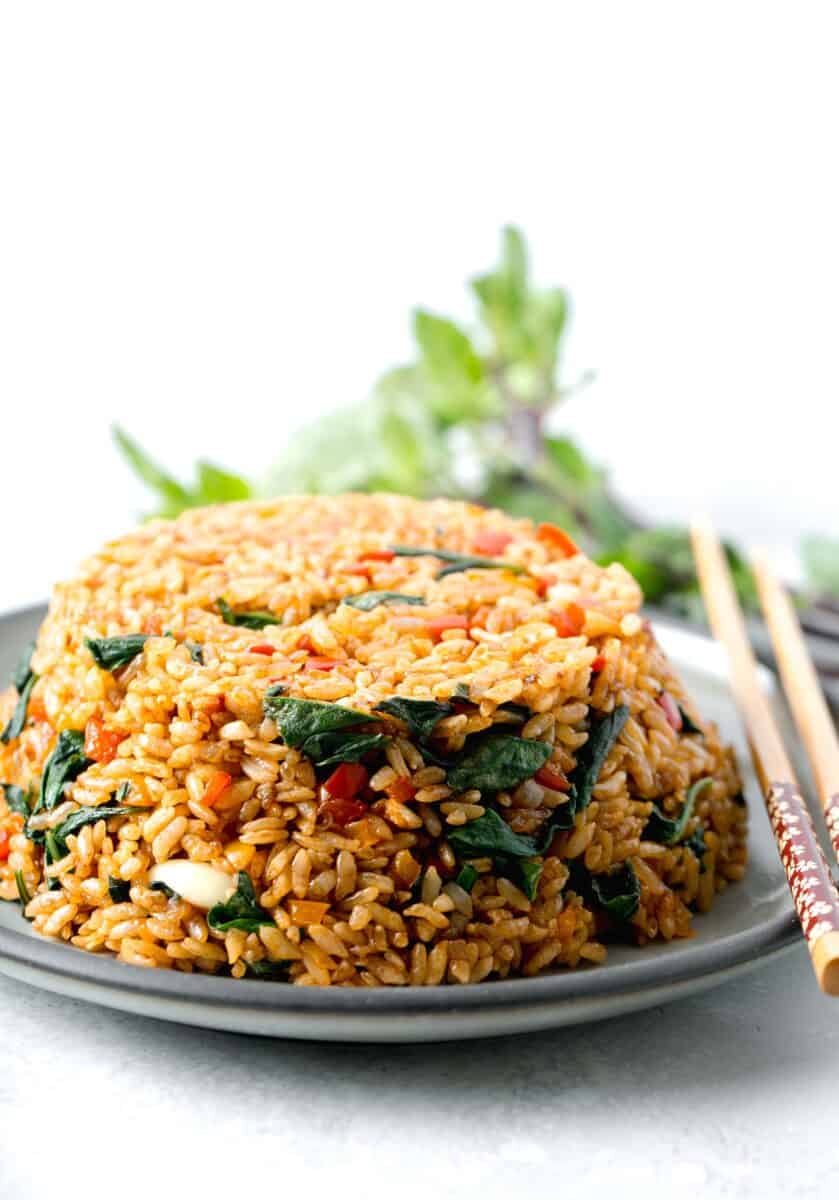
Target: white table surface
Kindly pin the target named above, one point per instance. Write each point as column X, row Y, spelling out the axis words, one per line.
column 731, row 1093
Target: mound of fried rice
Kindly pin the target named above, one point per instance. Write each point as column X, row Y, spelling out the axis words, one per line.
column 376, row 870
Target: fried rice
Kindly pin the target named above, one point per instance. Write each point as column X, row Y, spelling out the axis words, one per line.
column 362, row 741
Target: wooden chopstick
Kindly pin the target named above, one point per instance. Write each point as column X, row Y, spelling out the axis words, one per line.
column 808, row 875
column 803, row 691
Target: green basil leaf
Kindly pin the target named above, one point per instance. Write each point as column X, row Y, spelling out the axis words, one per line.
column 603, row 733
column 17, row 799
column 23, row 679
column 65, row 764
column 456, row 562
column 696, row 843
column 618, row 891
column 525, row 873
column 119, row 890
column 298, row 720
column 495, row 761
column 196, row 652
column 86, row 815
column 367, row 601
column 168, row 892
column 24, row 894
column 246, row 620
column 326, row 749
column 421, row 716
column 671, row 830
column 111, row 653
column 688, row 725
column 265, row 969
column 241, row 911
column 466, row 877
column 489, row 835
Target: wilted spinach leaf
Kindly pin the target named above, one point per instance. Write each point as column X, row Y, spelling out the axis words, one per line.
column 196, row 652
column 421, row 716
column 670, row 830
column 524, row 872
column 466, row 877
column 489, row 835
column 112, row 652
column 265, row 969
column 253, row 619
column 24, row 894
column 87, row 815
column 119, row 890
column 241, row 911
column 618, row 891
column 298, row 720
column 168, row 892
column 367, row 601
column 23, row 679
column 496, row 761
column 17, row 799
column 456, row 562
column 325, row 749
column 66, row 762
column 688, row 725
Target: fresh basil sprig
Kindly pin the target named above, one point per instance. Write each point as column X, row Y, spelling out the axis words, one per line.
column 241, row 911
column 110, row 653
column 23, row 679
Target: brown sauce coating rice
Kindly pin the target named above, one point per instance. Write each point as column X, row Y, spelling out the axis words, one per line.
column 372, row 901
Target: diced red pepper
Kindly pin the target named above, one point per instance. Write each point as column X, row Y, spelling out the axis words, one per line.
column 216, row 788
column 553, row 778
column 542, row 583
column 671, row 710
column 339, row 811
column 358, row 568
column 377, row 556
column 491, row 541
column 402, row 790
column 598, row 664
column 438, row 625
column 557, row 539
column 100, row 743
column 320, row 664
column 569, row 621
column 263, row 648
column 346, row 780
column 5, row 848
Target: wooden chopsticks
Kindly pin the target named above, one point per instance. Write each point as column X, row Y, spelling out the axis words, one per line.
column 808, row 875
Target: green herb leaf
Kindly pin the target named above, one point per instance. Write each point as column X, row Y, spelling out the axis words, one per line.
column 456, row 562
column 247, row 620
column 24, row 894
column 495, row 761
column 688, row 725
column 367, row 601
column 23, row 679
column 265, row 969
column 86, row 815
column 213, row 484
column 65, row 764
column 119, row 890
column 525, row 873
column 17, row 799
column 671, row 830
column 110, row 653
column 217, row 486
column 618, row 891
column 696, row 843
column 168, row 892
column 603, row 733
column 327, row 749
column 298, row 720
column 196, row 652
column 489, row 835
column 241, row 911
column 421, row 716
column 455, row 386
column 466, row 877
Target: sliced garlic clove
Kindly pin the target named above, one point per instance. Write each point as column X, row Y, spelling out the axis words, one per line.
column 198, row 883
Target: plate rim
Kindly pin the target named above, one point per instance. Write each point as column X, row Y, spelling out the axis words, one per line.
column 28, row 955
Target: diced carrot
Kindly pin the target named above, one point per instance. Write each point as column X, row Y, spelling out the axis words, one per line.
column 263, row 648
column 5, row 848
column 320, row 664
column 569, row 621
column 491, row 541
column 36, row 709
column 402, row 790
column 358, row 568
column 438, row 625
column 553, row 778
column 216, row 788
column 307, row 912
column 557, row 539
column 598, row 663
column 377, row 556
column 671, row 711
column 100, row 743
column 346, row 780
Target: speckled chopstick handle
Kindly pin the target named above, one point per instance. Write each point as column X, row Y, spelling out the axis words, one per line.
column 831, row 816
column 810, row 882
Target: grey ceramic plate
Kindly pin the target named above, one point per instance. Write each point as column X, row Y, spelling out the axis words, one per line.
column 749, row 924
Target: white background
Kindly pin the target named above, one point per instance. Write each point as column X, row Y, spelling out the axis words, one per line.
column 216, row 218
